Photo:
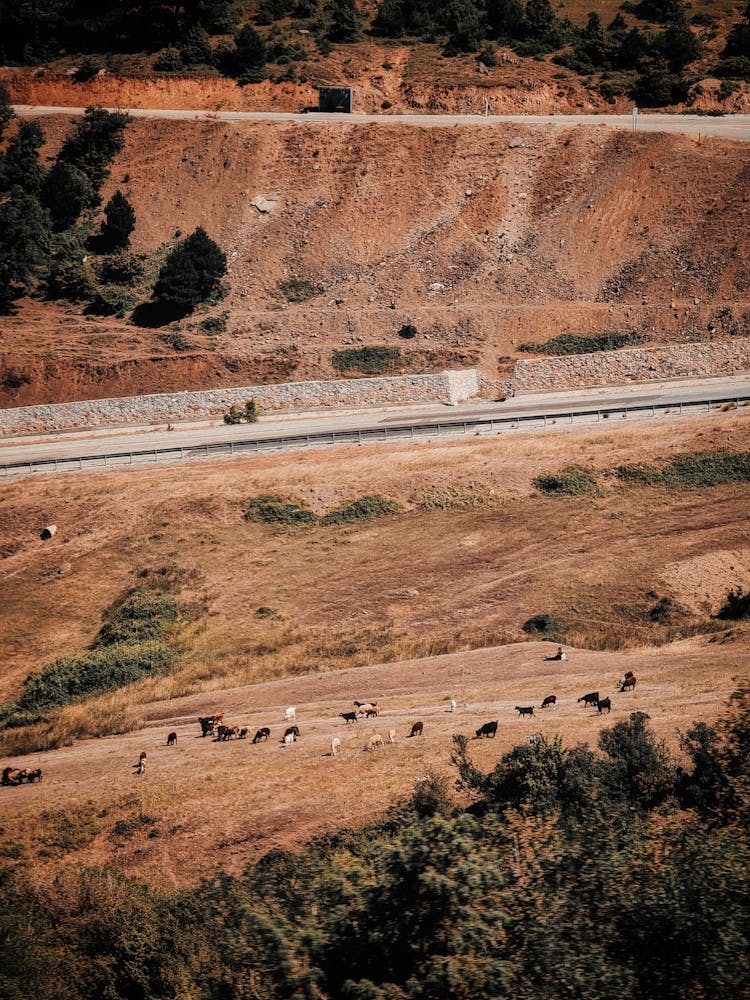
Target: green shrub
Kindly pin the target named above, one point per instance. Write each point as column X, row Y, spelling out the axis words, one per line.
column 571, row 481
column 692, row 470
column 248, row 415
column 299, row 289
column 366, row 508
column 737, row 606
column 569, row 343
column 142, row 615
column 545, row 626
column 119, row 222
column 408, row 331
column 169, row 61
column 274, row 509
column 121, row 268
column 214, row 325
column 661, row 612
column 191, row 274
column 368, row 360
column 177, row 341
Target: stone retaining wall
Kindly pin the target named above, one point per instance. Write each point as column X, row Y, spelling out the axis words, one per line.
column 445, row 387
column 577, row 371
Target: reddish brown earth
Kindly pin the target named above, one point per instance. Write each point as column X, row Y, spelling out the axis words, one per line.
column 579, row 231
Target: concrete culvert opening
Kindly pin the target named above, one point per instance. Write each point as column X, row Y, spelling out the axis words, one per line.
column 48, row 532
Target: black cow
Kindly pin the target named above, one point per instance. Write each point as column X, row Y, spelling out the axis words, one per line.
column 604, row 703
column 348, row 716
column 589, row 699
column 488, row 729
column 262, row 734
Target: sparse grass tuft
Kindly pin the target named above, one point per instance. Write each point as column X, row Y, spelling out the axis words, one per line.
column 368, row 360
column 299, row 289
column 454, row 498
column 571, row 481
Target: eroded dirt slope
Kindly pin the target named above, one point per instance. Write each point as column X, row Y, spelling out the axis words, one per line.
column 482, row 238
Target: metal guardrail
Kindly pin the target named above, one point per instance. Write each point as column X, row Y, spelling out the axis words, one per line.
column 370, row 435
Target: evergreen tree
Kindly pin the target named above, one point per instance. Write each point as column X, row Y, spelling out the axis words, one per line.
column 94, row 144
column 191, row 273
column 6, row 109
column 680, row 45
column 21, row 166
column 119, row 222
column 505, row 18
column 24, row 243
column 341, row 21
column 248, row 59
column 738, row 39
column 196, row 48
column 66, row 193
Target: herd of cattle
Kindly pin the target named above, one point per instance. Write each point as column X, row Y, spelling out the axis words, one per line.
column 213, row 725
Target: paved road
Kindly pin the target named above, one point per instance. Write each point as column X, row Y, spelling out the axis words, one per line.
column 119, row 442
column 726, row 126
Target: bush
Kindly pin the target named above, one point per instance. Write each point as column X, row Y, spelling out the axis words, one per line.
column 66, row 193
column 544, row 626
column 733, row 68
column 169, row 61
column 366, row 508
column 121, row 269
column 270, row 508
column 368, row 360
column 408, row 331
column 737, row 606
column 248, row 415
column 119, row 222
column 571, row 481
column 214, row 325
column 142, row 615
column 87, row 69
column 299, row 289
column 191, row 273
column 94, row 144
column 692, row 470
column 569, row 343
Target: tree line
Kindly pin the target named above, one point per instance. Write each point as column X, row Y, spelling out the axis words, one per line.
column 619, row 873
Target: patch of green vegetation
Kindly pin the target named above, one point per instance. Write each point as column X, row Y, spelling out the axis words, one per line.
column 132, row 644
column 247, row 415
column 569, row 343
column 299, row 289
column 177, row 341
column 455, row 498
column 61, row 831
column 570, row 481
column 737, row 606
column 662, row 611
column 214, row 325
column 368, row 360
column 692, row 470
column 366, row 508
column 545, row 626
column 270, row 508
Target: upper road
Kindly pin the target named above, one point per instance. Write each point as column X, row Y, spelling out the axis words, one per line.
column 725, row 126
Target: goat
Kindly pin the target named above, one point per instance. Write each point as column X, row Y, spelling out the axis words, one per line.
column 417, row 729
column 628, row 682
column 290, row 714
column 589, row 699
column 292, row 731
column 604, row 703
column 376, row 740
column 368, row 710
column 452, row 707
column 391, row 735
column 262, row 734
column 335, row 746
column 242, row 734
column 488, row 729
column 171, row 739
column 143, row 756
column 363, row 704
column 550, row 701
column 140, row 767
column 11, row 776
column 288, row 739
column 524, row 710
column 533, row 738
column 33, row 775
column 348, row 717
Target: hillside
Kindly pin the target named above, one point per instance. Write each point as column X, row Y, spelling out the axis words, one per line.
column 482, row 238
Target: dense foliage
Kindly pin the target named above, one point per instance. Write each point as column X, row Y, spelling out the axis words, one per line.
column 191, row 273
column 570, row 343
column 133, row 643
column 616, row 873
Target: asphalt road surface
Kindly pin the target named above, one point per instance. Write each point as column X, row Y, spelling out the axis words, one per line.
column 726, row 126
column 121, row 441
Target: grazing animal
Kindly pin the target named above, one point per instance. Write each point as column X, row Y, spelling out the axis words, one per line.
column 34, row 775
column 550, row 701
column 288, row 739
column 628, row 682
column 589, row 699
column 488, row 729
column 143, row 756
column 291, row 714
column 171, row 739
column 140, row 767
column 376, row 740
column 229, row 732
column 11, row 776
column 452, row 705
column 368, row 709
column 604, row 703
column 533, row 738
column 221, row 732
column 242, row 734
column 372, row 711
column 262, row 734
column 335, row 746
column 206, row 724
column 292, row 731
column 363, row 704
column 524, row 710
column 348, row 717
column 391, row 735
column 417, row 729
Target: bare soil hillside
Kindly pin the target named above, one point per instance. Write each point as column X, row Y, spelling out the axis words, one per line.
column 483, row 238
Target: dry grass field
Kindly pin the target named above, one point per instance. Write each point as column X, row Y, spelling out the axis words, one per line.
column 411, row 609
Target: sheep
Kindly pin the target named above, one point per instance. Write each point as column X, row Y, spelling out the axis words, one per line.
column 376, row 740
column 291, row 714
column 288, row 739
column 452, row 705
column 367, row 709
column 391, row 735
column 335, row 746
column 533, row 738
column 171, row 739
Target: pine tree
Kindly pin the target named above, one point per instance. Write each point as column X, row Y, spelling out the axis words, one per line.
column 119, row 222
column 249, row 57
column 191, row 273
column 21, row 166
